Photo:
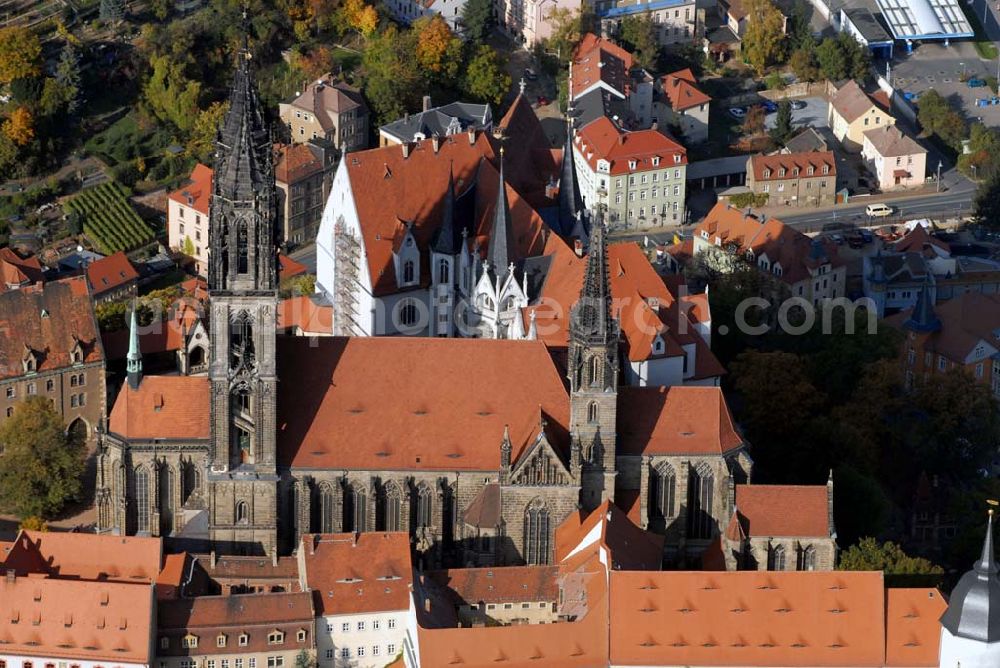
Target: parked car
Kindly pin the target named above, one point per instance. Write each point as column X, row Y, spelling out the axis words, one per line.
column 910, row 97
column 866, row 236
column 542, row 100
column 530, row 74
column 976, row 83
column 878, row 210
column 769, row 107
column 737, row 112
column 799, row 104
column 838, row 239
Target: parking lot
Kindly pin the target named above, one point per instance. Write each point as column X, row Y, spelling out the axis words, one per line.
column 813, row 115
column 935, row 66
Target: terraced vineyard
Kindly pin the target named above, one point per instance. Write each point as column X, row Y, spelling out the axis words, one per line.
column 109, row 221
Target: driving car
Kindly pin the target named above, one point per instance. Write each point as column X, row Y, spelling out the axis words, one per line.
column 737, row 112
column 878, row 210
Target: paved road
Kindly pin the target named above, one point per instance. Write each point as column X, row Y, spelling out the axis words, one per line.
column 957, row 201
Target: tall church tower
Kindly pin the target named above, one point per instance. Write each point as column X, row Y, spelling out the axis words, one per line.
column 242, row 286
column 593, row 375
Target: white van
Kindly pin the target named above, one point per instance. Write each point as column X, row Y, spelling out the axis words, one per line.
column 878, row 210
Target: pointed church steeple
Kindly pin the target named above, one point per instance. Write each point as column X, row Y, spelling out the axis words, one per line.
column 446, row 242
column 133, row 363
column 570, row 202
column 923, row 318
column 592, row 320
column 502, row 250
column 974, row 607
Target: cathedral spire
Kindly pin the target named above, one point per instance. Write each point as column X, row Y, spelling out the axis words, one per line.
column 446, row 242
column 570, row 203
column 502, row 249
column 592, row 319
column 133, row 365
column 923, row 318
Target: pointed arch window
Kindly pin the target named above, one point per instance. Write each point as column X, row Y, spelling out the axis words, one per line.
column 325, row 508
column 444, row 271
column 700, row 498
column 777, row 558
column 595, row 370
column 408, row 272
column 242, row 513
column 536, row 533
column 593, row 413
column 360, row 509
column 663, row 491
column 391, row 512
column 242, row 247
column 241, row 339
column 424, row 505
column 807, row 559
column 142, row 500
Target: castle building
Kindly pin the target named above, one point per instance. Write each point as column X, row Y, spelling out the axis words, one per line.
column 476, row 449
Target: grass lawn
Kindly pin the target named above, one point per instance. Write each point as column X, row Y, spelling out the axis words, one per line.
column 125, row 140
column 984, row 47
column 345, row 60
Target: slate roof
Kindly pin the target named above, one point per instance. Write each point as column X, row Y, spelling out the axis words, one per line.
column 452, row 118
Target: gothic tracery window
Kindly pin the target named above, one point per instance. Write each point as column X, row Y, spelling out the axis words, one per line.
column 242, row 513
column 807, row 559
column 408, row 271
column 444, row 274
column 700, row 498
column 663, row 492
column 536, row 533
column 242, row 247
column 777, row 558
column 595, row 370
column 325, row 508
column 424, row 506
column 142, row 500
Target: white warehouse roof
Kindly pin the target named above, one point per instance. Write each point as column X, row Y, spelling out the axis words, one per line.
column 925, row 19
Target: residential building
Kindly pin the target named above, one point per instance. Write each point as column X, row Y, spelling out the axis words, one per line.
column 269, row 630
column 528, row 22
column 794, row 179
column 408, row 11
column 303, row 174
column 187, row 217
column 236, row 574
column 639, row 176
column 501, row 596
column 852, row 112
column 79, row 600
column 330, row 110
column 51, row 347
column 674, row 20
column 956, row 334
column 896, row 159
column 445, row 121
column 360, row 584
column 684, row 105
column 781, row 528
column 735, row 16
column 17, row 272
column 893, row 280
column 806, row 268
column 113, row 278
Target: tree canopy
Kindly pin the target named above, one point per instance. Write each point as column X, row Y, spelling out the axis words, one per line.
column 763, row 42
column 870, row 555
column 486, row 77
column 937, row 117
column 20, row 54
column 41, row 467
column 477, row 18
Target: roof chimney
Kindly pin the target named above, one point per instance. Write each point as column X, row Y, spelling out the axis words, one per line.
column 427, row 103
column 621, row 139
column 472, row 135
column 406, row 149
column 436, row 143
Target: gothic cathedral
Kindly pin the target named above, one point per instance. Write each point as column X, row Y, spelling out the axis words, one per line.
column 243, row 291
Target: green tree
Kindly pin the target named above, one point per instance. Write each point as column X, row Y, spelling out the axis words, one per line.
column 833, row 62
column 803, row 64
column 304, row 660
column 477, row 19
column 391, row 76
column 799, row 29
column 171, row 96
column 67, row 75
column 984, row 147
column 201, row 145
column 41, row 467
column 753, row 122
column 763, row 42
column 438, row 50
column 986, row 207
column 938, row 118
column 20, row 54
column 188, row 246
column 869, row 555
column 639, row 34
column 567, row 28
column 486, row 76
column 783, row 122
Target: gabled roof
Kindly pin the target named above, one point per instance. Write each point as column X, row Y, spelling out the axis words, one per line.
column 197, row 192
column 677, row 420
column 967, row 320
column 890, row 142
column 851, row 102
column 166, row 336
column 166, row 407
column 626, row 546
column 484, row 511
column 18, row 271
column 681, row 90
column 784, row 510
column 357, row 573
column 81, row 556
column 511, row 584
column 325, row 97
column 342, row 399
column 110, row 273
column 599, row 60
column 602, row 140
column 795, row 165
column 912, row 629
column 49, row 319
column 455, row 117
column 917, row 240
column 294, row 162
column 305, row 314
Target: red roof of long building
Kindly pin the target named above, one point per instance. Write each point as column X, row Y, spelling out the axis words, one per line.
column 627, row 152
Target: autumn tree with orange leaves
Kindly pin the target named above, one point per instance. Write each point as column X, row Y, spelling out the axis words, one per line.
column 19, row 127
column 438, row 50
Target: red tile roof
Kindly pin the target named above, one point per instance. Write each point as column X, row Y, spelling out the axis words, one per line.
column 110, row 273
column 784, row 510
column 917, row 239
column 530, row 162
column 305, row 314
column 168, row 335
column 681, row 90
column 82, row 556
column 374, row 387
column 49, row 319
column 748, row 618
column 76, row 620
column 625, row 544
column 676, row 420
column 966, row 320
column 18, row 271
column 912, row 629
column 795, row 165
column 163, row 407
column 597, row 59
column 602, row 140
column 197, row 192
column 358, row 573
column 511, row 584
column 294, row 162
column 287, row 267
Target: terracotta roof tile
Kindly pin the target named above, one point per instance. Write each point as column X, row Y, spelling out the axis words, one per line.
column 912, row 627
column 305, row 314
column 627, row 546
column 18, row 271
column 163, row 407
column 294, row 162
column 86, row 556
column 197, row 192
column 597, row 59
column 784, row 510
column 602, row 140
column 510, row 584
column 357, row 573
column 47, row 318
column 484, row 511
column 111, row 272
column 795, row 165
column 168, row 335
column 675, row 420
column 966, row 320
column 681, row 90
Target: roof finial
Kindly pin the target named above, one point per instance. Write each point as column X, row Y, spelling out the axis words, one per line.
column 987, row 566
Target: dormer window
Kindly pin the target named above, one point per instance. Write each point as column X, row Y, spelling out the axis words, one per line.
column 408, row 270
column 301, row 635
column 767, row 173
column 220, row 640
column 244, row 640
column 795, row 171
column 826, row 169
column 656, row 161
column 677, row 158
column 632, row 164
column 658, row 346
column 189, row 641
column 781, row 173
column 810, row 170
column 30, row 361
column 275, row 638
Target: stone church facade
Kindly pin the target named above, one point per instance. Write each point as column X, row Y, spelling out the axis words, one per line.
column 289, row 435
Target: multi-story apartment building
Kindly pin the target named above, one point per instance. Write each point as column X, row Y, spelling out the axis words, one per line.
column 444, row 121
column 794, row 179
column 361, row 586
column 271, row 630
column 303, row 174
column 640, row 175
column 408, row 11
column 330, row 110
column 674, row 20
column 187, row 217
column 897, row 160
column 528, row 21
column 809, row 269
column 501, row 596
column 50, row 347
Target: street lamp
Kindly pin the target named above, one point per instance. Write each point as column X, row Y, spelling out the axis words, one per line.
column 939, row 176
column 974, row 173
